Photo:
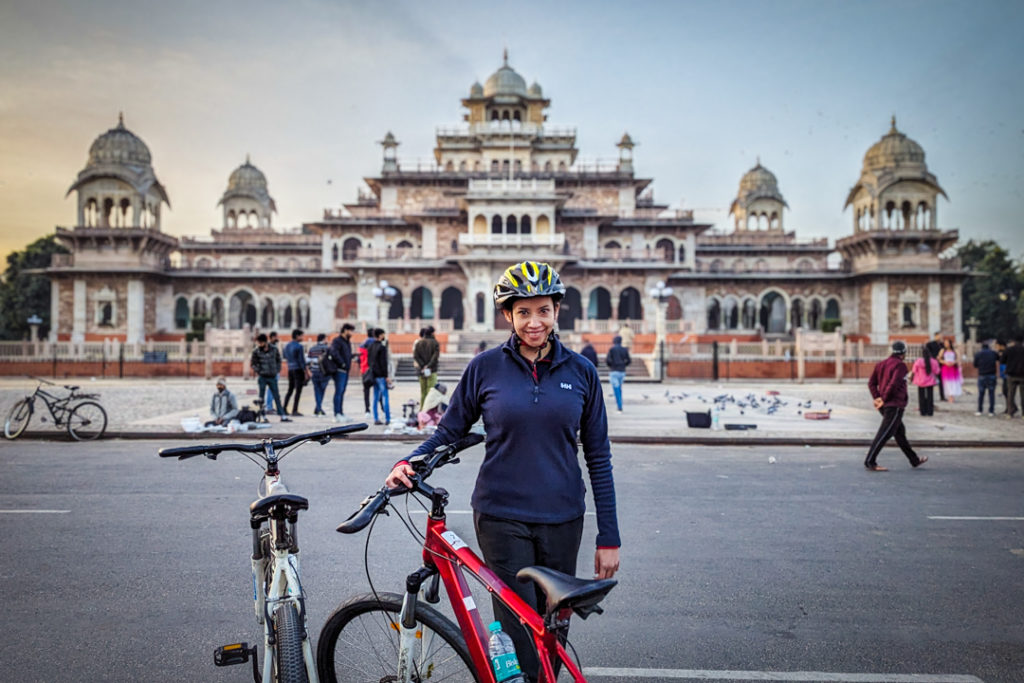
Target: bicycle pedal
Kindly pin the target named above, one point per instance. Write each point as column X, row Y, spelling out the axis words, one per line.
column 236, row 653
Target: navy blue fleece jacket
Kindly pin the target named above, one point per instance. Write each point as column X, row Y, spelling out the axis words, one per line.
column 531, row 470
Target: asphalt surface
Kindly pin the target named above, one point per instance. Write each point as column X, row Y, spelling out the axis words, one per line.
column 134, row 568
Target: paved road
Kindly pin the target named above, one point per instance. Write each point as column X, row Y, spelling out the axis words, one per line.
column 733, row 566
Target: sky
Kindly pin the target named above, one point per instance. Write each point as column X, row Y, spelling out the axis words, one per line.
column 308, row 87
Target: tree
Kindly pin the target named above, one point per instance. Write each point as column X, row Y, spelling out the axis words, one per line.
column 24, row 294
column 993, row 294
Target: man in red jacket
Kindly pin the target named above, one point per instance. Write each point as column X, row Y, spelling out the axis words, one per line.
column 888, row 386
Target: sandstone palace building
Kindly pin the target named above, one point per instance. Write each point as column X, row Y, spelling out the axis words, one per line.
column 504, row 187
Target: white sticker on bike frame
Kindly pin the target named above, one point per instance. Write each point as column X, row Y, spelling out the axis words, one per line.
column 469, row 603
column 453, row 540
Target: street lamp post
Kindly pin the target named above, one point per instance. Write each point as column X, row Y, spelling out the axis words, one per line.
column 33, row 325
column 384, row 293
column 660, row 293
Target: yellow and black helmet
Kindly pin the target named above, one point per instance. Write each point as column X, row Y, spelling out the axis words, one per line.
column 526, row 280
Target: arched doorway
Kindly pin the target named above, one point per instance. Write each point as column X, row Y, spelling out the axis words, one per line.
column 630, row 307
column 350, row 249
column 397, row 309
column 421, row 304
column 481, row 312
column 773, row 313
column 714, row 315
column 600, row 305
column 241, row 310
column 451, row 307
column 346, row 307
column 570, row 309
column 674, row 310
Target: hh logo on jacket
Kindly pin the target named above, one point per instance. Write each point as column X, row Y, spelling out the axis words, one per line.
column 566, row 385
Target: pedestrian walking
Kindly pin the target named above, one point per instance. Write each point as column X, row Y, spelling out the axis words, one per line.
column 366, row 377
column 1014, row 357
column 935, row 349
column 223, row 405
column 617, row 360
column 320, row 365
column 426, row 356
column 298, row 371
column 537, row 398
column 924, row 372
column 273, row 341
column 265, row 364
column 888, row 388
column 952, row 378
column 378, row 359
column 341, row 355
column 589, row 352
column 987, row 363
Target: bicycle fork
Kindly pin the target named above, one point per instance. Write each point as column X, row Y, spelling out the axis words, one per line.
column 409, row 631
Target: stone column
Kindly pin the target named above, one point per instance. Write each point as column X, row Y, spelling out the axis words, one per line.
column 79, row 314
column 135, row 319
column 54, row 309
column 880, row 312
column 839, row 353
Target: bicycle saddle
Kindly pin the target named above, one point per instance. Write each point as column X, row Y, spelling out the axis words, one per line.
column 71, row 388
column 290, row 501
column 568, row 592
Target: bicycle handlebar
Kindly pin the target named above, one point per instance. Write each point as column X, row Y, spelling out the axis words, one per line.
column 424, row 465
column 214, row 449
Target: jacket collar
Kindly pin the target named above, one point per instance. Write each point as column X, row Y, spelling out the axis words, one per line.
column 558, row 355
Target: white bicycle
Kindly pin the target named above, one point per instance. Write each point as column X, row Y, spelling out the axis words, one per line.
column 276, row 585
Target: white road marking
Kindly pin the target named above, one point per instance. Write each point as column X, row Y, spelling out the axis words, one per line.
column 820, row 676
column 34, row 512
column 982, row 519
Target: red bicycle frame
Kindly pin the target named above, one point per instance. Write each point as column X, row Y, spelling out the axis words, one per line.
column 449, row 555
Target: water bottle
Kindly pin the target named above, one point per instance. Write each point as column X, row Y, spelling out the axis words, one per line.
column 503, row 656
column 714, row 418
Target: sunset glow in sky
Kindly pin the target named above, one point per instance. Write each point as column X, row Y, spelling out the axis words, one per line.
column 308, row 87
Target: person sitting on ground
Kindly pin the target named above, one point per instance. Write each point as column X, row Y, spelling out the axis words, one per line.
column 223, row 405
column 433, row 406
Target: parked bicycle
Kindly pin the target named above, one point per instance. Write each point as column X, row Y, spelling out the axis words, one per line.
column 395, row 638
column 83, row 417
column 280, row 602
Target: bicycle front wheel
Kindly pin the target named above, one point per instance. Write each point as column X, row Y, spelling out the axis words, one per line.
column 87, row 421
column 291, row 667
column 17, row 419
column 359, row 644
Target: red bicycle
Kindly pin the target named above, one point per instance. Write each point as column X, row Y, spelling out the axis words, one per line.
column 393, row 638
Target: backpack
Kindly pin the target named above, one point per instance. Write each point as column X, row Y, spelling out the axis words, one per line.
column 328, row 364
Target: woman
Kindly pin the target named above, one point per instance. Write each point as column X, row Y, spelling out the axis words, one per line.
column 924, row 371
column 534, row 396
column 952, row 380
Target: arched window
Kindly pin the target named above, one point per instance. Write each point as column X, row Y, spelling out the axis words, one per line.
column 905, row 214
column 714, row 314
column 496, row 225
column 270, row 263
column 716, row 266
column 241, row 310
column 267, row 314
column 199, row 308
column 346, row 307
column 495, row 166
column 814, row 315
column 451, row 307
column 203, row 263
column 181, row 318
column 350, row 249
column 284, row 314
column 525, row 225
column 667, row 249
column 832, row 309
column 302, row 314
column 510, row 225
column 462, row 166
column 570, row 309
column 217, row 313
column 548, row 168
column 731, row 314
column 749, row 314
column 773, row 313
column 630, row 307
column 600, row 305
column 796, row 313
column 421, row 304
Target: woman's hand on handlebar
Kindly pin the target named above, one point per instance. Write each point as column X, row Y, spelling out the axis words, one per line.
column 400, row 476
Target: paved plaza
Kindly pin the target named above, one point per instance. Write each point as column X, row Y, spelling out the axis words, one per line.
column 140, row 408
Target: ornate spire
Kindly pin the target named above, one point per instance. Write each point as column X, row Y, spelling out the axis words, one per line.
column 505, row 56
column 120, row 119
column 893, row 129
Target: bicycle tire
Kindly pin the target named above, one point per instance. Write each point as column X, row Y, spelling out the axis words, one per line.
column 18, row 418
column 359, row 644
column 291, row 667
column 87, row 421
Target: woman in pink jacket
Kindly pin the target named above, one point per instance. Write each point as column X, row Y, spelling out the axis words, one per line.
column 924, row 371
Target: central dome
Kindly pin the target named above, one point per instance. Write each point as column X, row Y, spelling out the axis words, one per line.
column 758, row 178
column 247, row 178
column 894, row 149
column 505, row 81
column 119, row 146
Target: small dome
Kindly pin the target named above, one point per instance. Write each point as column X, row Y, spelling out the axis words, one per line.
column 894, row 149
column 758, row 179
column 119, row 146
column 476, row 90
column 247, row 178
column 535, row 90
column 505, row 81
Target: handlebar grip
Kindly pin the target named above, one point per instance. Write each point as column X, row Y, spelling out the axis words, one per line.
column 347, row 429
column 366, row 512
column 182, row 452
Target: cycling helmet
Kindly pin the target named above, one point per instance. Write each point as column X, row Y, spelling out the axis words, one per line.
column 527, row 280
column 899, row 348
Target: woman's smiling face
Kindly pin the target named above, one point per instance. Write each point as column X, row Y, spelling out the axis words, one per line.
column 533, row 319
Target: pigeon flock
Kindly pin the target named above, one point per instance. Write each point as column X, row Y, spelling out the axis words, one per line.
column 769, row 404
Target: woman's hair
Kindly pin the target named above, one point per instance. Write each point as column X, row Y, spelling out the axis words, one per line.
column 926, row 355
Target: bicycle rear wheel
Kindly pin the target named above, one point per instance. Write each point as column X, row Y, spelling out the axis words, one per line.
column 17, row 418
column 291, row 667
column 87, row 421
column 359, row 644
